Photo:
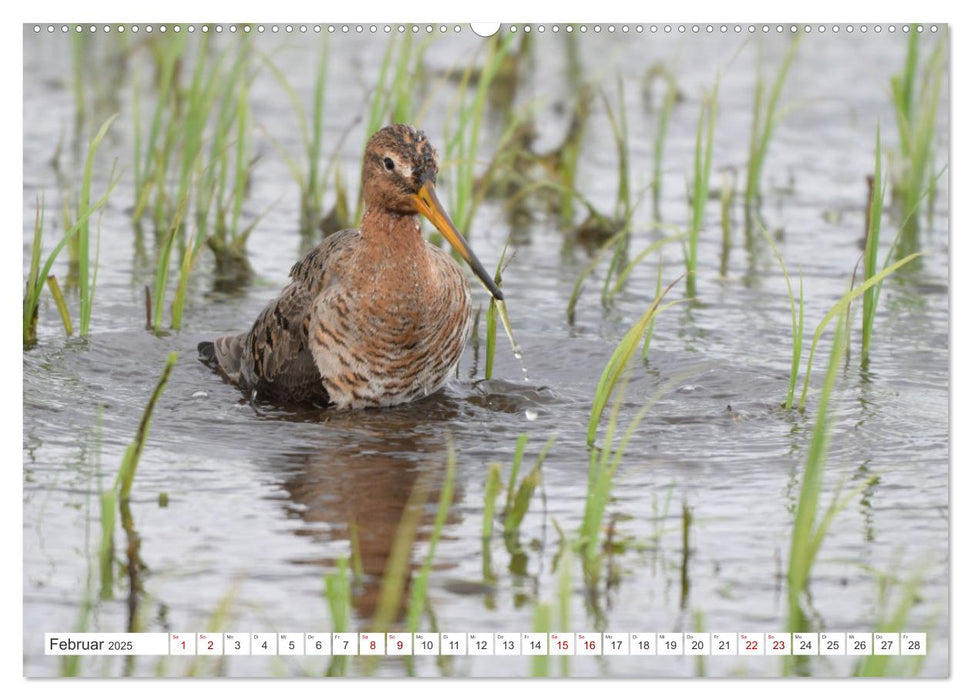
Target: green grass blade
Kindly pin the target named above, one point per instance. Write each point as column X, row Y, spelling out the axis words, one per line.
column 649, row 333
column 189, row 256
column 838, row 308
column 393, row 582
column 78, row 49
column 241, row 171
column 337, row 590
column 517, row 459
column 419, row 590
column 164, row 259
column 591, row 266
column 32, row 291
column 564, row 591
column 84, row 210
column 704, row 141
column 31, row 300
column 764, row 123
column 604, row 464
column 492, row 487
column 172, row 52
column 804, row 544
column 315, row 150
column 542, row 624
column 377, row 114
column 625, row 273
column 618, row 125
column 75, row 229
column 670, row 97
column 874, row 216
column 491, row 313
column 878, row 665
column 520, row 504
column 129, row 464
column 902, row 90
column 137, row 126
column 797, row 321
column 55, row 290
column 294, row 98
column 618, row 362
column 463, row 126
column 106, row 552
column 753, row 172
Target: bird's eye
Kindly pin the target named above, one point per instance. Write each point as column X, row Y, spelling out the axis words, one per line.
column 389, row 164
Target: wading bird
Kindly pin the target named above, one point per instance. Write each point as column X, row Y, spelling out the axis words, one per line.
column 374, row 316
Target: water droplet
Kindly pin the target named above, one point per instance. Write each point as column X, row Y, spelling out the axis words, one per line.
column 516, row 350
column 531, row 414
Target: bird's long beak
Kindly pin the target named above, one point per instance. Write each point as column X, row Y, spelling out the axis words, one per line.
column 426, row 201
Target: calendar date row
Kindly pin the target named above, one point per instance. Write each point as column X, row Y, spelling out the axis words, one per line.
column 489, row 644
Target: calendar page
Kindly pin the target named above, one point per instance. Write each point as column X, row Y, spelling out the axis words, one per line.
column 510, row 350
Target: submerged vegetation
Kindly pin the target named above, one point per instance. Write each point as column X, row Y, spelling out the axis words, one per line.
column 193, row 138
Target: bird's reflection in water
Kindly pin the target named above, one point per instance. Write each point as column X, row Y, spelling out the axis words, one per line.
column 356, row 481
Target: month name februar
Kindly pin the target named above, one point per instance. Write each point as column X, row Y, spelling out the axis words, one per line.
column 75, row 645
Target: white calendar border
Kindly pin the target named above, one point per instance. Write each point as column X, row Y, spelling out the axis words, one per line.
column 12, row 646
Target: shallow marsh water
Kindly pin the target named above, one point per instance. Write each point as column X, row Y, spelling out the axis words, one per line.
column 260, row 503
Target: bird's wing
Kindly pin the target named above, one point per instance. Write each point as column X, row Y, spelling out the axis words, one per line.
column 274, row 357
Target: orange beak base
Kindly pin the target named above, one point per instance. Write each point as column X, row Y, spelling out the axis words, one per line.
column 426, row 201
